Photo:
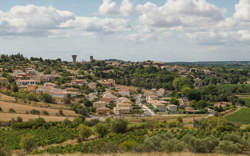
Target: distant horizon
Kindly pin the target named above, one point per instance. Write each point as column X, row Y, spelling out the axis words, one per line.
column 118, row 59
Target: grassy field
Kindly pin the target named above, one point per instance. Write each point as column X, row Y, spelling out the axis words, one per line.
column 241, row 116
column 23, row 110
column 5, row 117
column 144, row 154
column 246, row 98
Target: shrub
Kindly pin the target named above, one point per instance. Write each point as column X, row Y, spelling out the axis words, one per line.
column 47, row 98
column 28, row 143
column 61, row 112
column 228, row 147
column 205, row 145
column 101, row 129
column 84, row 131
column 92, row 122
column 172, row 124
column 119, row 126
column 233, row 137
column 45, row 112
column 11, row 110
column 3, row 150
column 35, row 112
column 19, row 119
column 129, row 145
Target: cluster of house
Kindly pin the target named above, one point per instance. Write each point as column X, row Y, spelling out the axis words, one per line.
column 119, row 98
column 31, row 80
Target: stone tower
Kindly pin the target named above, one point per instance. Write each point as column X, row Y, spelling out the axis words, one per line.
column 74, row 58
column 91, row 58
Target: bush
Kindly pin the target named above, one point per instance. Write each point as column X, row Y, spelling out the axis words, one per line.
column 3, row 150
column 119, row 126
column 129, row 145
column 101, row 129
column 92, row 122
column 35, row 112
column 61, row 112
column 232, row 137
column 172, row 145
column 84, row 131
column 45, row 112
column 228, row 147
column 204, row 145
column 47, row 98
column 28, row 143
column 19, row 119
column 11, row 110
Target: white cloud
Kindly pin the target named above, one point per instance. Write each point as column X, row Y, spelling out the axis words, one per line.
column 176, row 13
column 109, row 7
column 31, row 20
column 242, row 11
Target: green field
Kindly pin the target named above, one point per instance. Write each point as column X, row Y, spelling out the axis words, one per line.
column 242, row 116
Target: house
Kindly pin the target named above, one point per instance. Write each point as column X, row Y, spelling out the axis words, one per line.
column 79, row 82
column 122, row 110
column 103, row 111
column 107, row 100
column 108, row 94
column 108, row 83
column 32, row 88
column 159, row 106
column 160, row 92
column 100, row 104
column 48, row 84
column 45, row 78
column 222, row 104
column 172, row 108
column 25, row 83
column 123, row 106
column 124, row 92
column 92, row 85
column 191, row 110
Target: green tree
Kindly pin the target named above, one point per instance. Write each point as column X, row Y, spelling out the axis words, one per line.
column 119, row 126
column 84, row 131
column 28, row 143
column 101, row 129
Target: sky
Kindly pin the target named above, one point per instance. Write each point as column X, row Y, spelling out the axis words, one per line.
column 136, row 30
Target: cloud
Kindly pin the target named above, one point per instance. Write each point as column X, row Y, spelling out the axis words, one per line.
column 110, row 8
column 242, row 11
column 31, row 20
column 176, row 13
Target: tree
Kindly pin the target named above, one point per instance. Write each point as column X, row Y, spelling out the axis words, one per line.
column 47, row 98
column 28, row 143
column 3, row 150
column 67, row 99
column 84, row 131
column 101, row 129
column 119, row 126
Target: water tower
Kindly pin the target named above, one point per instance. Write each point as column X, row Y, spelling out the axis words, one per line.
column 74, row 58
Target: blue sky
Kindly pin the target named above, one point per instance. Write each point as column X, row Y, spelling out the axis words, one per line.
column 162, row 30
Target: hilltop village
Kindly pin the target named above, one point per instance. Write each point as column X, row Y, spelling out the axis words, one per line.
column 51, row 106
column 113, row 87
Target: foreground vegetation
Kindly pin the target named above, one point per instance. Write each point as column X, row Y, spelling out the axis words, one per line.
column 242, row 116
column 118, row 136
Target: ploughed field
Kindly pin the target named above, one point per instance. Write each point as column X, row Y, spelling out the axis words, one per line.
column 11, row 110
